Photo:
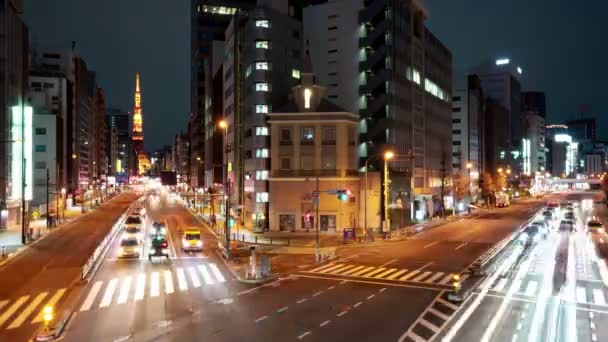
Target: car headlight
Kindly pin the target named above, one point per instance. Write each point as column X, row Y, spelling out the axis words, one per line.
column 184, row 242
column 199, row 243
column 121, row 250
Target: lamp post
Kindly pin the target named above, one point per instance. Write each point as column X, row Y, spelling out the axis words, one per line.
column 388, row 155
column 64, row 204
column 224, row 125
column 469, row 167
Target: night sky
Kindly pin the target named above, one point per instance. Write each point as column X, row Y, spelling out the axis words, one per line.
column 561, row 46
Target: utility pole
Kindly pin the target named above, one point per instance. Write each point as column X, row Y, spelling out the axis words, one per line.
column 47, row 198
column 317, row 255
column 23, row 165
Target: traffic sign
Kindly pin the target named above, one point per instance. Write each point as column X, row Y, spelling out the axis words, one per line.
column 36, row 215
column 315, row 201
column 315, row 194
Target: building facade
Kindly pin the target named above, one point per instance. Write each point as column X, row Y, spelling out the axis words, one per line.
column 533, row 144
column 582, row 129
column 534, row 101
column 46, row 152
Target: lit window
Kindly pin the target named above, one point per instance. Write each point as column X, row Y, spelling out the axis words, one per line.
column 261, row 175
column 416, row 76
column 261, row 153
column 261, row 86
column 295, row 73
column 307, row 96
column 261, row 66
column 261, row 197
column 261, row 131
column 261, row 109
column 307, row 134
column 261, row 44
column 248, row 71
column 219, row 10
column 262, row 23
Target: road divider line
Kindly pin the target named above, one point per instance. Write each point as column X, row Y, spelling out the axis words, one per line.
column 431, row 244
column 282, row 309
column 124, row 291
column 261, row 318
column 317, row 293
column 342, row 313
column 168, row 282
column 461, row 245
column 27, row 311
column 52, row 303
column 88, row 302
column 331, row 287
column 301, row 300
column 382, row 289
column 13, row 308
column 357, row 304
column 371, row 296
column 304, row 335
column 388, row 263
column 425, row 266
column 325, row 323
column 181, row 280
column 141, row 287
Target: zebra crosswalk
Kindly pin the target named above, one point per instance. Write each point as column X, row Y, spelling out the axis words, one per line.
column 419, row 275
column 103, row 294
column 586, row 293
column 152, row 284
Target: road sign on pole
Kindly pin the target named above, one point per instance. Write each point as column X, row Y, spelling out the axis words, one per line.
column 315, row 194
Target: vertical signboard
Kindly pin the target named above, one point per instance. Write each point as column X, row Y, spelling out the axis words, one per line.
column 21, row 151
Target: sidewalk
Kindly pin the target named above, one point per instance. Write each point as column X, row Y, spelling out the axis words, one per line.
column 10, row 238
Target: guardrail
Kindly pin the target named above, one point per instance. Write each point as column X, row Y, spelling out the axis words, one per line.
column 101, row 248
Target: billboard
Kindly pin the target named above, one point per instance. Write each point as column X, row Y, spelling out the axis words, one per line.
column 21, row 150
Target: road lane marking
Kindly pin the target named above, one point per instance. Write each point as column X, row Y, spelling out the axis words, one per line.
column 154, row 284
column 439, row 314
column 382, row 289
column 181, row 280
column 216, row 272
column 27, row 311
column 325, row 323
column 261, row 319
column 341, row 269
column 168, row 282
column 425, row 266
column 301, row 300
column 581, row 295
column 13, row 308
column 282, row 309
column 388, row 263
column 431, row 244
column 434, row 277
column 86, row 305
column 206, row 276
column 124, row 291
column 342, row 313
column 318, row 293
column 52, row 303
column 392, row 284
column 365, row 270
column 448, row 304
column 195, row 281
column 141, row 287
column 460, row 246
column 598, row 297
column 447, row 278
column 352, row 270
column 429, row 325
column 395, row 275
column 322, row 267
column 422, row 276
column 107, row 296
column 377, row 270
column 331, row 287
column 304, row 335
column 335, row 267
column 409, row 275
column 385, row 273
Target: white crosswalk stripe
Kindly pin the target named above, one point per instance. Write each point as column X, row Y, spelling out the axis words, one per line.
column 88, row 302
column 598, row 297
column 124, row 291
column 168, row 282
column 365, row 270
column 27, row 311
column 107, row 296
column 216, row 272
column 531, row 288
column 434, row 277
column 52, row 303
column 352, row 270
column 12, row 309
column 181, row 280
column 140, row 288
column 195, row 281
column 409, row 275
column 154, row 285
column 328, row 269
column 422, row 276
column 341, row 269
column 206, row 275
column 501, row 284
column 581, row 295
column 383, row 274
column 446, row 279
column 396, row 274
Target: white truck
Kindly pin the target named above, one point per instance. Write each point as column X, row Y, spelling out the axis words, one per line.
column 502, row 200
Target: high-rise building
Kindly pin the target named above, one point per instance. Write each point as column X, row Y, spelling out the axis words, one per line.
column 13, row 92
column 121, row 122
column 403, row 80
column 533, row 144
column 500, row 82
column 534, row 101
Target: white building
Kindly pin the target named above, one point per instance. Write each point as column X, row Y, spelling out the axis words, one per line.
column 593, row 164
column 533, row 144
column 45, row 157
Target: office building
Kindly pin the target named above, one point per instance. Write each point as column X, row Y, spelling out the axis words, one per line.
column 410, row 115
column 582, row 129
column 496, row 138
column 468, row 113
column 121, row 122
column 534, row 101
column 46, row 150
column 533, row 144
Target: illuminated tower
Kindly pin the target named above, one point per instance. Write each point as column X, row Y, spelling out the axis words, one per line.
column 138, row 130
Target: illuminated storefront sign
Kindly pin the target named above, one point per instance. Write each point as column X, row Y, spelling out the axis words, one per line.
column 21, row 151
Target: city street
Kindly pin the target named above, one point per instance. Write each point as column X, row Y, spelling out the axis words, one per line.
column 531, row 297
column 45, row 272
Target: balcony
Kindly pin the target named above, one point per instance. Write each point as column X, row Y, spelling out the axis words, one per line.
column 373, row 11
column 375, row 81
column 315, row 173
column 374, row 105
column 373, row 36
column 375, row 57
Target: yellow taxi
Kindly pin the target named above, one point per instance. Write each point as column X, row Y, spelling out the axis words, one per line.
column 191, row 241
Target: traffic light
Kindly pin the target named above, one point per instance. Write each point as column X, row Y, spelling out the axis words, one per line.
column 344, row 195
column 47, row 315
column 230, row 222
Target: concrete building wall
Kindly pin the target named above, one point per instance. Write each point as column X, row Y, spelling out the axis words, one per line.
column 45, row 152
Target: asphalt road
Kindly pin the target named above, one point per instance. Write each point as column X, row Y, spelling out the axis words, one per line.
column 530, row 301
column 45, row 272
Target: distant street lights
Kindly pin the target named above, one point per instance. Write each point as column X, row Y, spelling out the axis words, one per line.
column 469, row 167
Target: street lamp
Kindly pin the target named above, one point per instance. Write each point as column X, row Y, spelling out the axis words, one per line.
column 469, row 167
column 224, row 125
column 388, row 155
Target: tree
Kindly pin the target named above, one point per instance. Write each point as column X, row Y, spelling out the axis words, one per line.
column 444, row 179
column 460, row 187
column 501, row 182
column 487, row 187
